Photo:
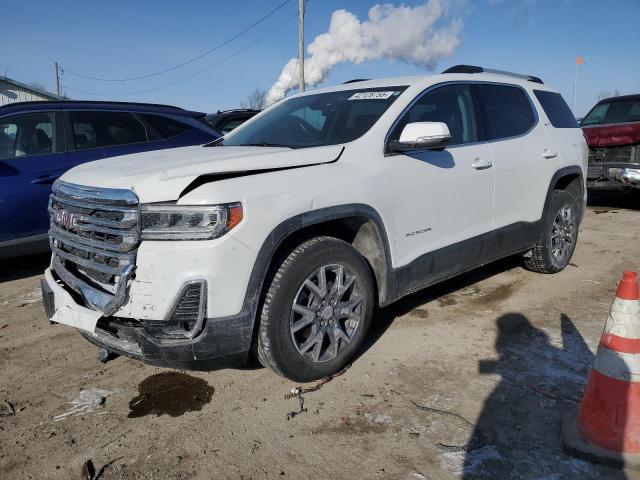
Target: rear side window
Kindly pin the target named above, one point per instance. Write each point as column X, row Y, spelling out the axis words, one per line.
column 556, row 108
column 105, row 129
column 506, row 111
column 165, row 127
column 26, row 134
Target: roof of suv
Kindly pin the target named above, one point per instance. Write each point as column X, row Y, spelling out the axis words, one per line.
column 457, row 73
column 96, row 105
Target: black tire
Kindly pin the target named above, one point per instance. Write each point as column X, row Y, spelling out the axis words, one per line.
column 277, row 347
column 545, row 257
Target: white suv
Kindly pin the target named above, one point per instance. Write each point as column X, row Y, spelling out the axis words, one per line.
column 284, row 236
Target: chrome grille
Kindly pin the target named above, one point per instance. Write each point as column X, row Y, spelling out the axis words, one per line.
column 94, row 236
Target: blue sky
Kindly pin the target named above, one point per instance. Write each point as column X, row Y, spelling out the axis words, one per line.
column 122, row 38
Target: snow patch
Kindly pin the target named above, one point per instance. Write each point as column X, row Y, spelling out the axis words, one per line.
column 86, row 401
column 454, row 462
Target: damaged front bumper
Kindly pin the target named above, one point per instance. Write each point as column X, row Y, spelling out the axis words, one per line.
column 224, row 342
column 207, row 344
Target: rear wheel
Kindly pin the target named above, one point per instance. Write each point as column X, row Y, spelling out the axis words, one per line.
column 316, row 311
column 557, row 242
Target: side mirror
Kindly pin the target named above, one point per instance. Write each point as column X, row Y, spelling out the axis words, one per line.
column 422, row 135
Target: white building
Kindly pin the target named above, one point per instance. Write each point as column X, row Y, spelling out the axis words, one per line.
column 12, row 91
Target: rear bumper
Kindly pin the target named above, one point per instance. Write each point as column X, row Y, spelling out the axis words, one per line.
column 223, row 341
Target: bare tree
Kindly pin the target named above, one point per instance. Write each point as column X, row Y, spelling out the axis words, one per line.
column 37, row 86
column 256, row 100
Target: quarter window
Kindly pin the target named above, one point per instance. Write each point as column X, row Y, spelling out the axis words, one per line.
column 28, row 134
column 451, row 104
column 165, row 127
column 506, row 111
column 105, row 129
column 556, row 108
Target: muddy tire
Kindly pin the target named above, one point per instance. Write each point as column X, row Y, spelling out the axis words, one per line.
column 317, row 310
column 557, row 242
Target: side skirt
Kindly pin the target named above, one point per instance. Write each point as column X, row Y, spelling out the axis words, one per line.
column 447, row 262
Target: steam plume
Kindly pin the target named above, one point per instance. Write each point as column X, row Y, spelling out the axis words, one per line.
column 421, row 36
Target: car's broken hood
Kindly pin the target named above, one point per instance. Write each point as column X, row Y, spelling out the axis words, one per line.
column 162, row 175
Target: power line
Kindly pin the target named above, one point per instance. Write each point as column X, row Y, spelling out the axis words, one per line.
column 208, row 52
column 124, row 94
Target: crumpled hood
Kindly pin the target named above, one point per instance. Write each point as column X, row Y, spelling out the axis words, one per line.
column 162, row 175
column 612, row 135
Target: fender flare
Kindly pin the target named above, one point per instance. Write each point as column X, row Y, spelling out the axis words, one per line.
column 563, row 172
column 288, row 227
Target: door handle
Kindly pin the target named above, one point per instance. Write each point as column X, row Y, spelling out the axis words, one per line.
column 548, row 153
column 44, row 179
column 481, row 163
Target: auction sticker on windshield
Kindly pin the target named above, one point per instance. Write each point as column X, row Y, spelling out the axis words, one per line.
column 371, row 95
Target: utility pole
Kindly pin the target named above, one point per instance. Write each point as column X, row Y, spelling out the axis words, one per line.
column 57, row 78
column 301, row 43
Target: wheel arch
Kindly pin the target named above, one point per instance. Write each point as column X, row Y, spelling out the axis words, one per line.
column 570, row 179
column 358, row 224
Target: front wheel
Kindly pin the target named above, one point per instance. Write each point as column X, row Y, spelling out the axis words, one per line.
column 557, row 242
column 317, row 310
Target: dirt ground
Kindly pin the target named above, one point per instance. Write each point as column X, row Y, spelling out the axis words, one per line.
column 466, row 380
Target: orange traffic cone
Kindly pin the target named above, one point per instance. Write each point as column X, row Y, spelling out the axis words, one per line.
column 607, row 425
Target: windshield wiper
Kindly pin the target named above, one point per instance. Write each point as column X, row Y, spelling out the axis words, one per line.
column 218, row 142
column 263, row 144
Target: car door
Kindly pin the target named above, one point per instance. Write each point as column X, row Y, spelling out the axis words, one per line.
column 32, row 157
column 519, row 145
column 441, row 198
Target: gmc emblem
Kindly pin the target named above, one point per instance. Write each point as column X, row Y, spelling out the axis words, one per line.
column 65, row 219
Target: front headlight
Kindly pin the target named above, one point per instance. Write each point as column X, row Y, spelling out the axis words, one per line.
column 186, row 222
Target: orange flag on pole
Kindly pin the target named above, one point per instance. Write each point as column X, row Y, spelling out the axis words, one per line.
column 579, row 60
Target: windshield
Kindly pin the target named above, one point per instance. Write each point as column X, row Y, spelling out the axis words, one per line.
column 617, row 111
column 316, row 120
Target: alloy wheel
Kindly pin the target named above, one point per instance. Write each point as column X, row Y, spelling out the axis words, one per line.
column 326, row 313
column 563, row 233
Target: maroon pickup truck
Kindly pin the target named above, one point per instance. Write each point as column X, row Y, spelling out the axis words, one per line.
column 612, row 129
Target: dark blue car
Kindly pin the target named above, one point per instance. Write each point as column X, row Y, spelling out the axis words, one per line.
column 39, row 141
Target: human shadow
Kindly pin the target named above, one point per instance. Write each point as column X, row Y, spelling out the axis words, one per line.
column 518, row 432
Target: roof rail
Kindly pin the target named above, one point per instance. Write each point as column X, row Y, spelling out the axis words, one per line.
column 101, row 102
column 356, row 80
column 475, row 69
